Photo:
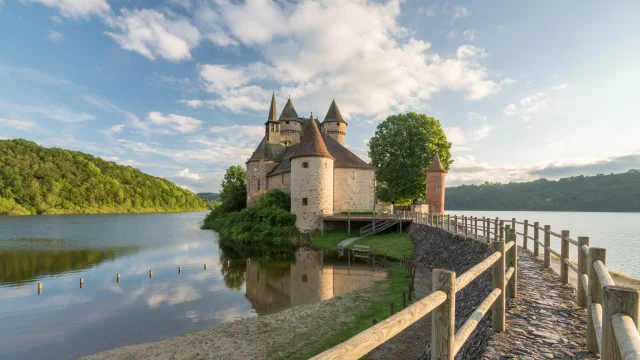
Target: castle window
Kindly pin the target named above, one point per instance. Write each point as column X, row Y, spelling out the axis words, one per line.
column 304, row 277
column 305, row 164
column 304, row 201
column 438, row 191
column 287, row 122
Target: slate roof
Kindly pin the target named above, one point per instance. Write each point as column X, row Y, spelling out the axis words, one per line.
column 311, row 142
column 436, row 165
column 334, row 114
column 289, row 112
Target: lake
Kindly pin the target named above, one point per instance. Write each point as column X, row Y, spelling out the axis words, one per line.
column 67, row 321
column 619, row 233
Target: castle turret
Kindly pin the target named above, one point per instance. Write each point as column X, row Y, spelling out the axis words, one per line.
column 435, row 186
column 334, row 125
column 290, row 124
column 272, row 126
column 311, row 179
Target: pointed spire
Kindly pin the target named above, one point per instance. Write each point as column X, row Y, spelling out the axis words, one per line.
column 289, row 112
column 334, row 113
column 273, row 115
column 311, row 143
column 436, row 165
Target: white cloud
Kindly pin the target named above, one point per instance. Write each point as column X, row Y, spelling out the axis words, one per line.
column 51, row 112
column 529, row 100
column 77, row 9
column 452, row 34
column 469, row 35
column 152, row 34
column 462, row 138
column 253, row 131
column 507, row 81
column 115, row 129
column 117, row 160
column 186, row 173
column 17, row 124
column 55, row 36
column 191, row 103
column 459, row 12
column 510, row 109
column 561, row 86
column 220, row 77
column 182, row 124
column 56, row 20
column 428, row 11
column 172, row 295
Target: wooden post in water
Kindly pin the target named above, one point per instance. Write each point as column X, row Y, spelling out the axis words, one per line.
column 547, row 246
column 525, row 237
column 512, row 261
column 150, row 274
column 179, row 269
column 498, row 317
column 118, row 278
column 39, row 288
column 205, row 266
column 443, row 318
column 595, row 295
column 81, row 283
column 564, row 256
column 583, row 269
column 536, row 238
column 620, row 301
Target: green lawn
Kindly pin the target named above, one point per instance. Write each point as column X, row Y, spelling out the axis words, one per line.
column 375, row 305
column 330, row 239
column 395, row 245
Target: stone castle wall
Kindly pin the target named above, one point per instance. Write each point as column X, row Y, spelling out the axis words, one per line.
column 291, row 128
column 353, row 189
column 257, row 175
column 336, row 130
column 315, row 183
column 281, row 181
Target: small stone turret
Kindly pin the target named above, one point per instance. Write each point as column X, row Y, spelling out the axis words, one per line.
column 334, row 125
column 311, row 179
column 290, row 124
column 272, row 126
column 435, row 186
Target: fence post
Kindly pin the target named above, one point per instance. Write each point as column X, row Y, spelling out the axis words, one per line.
column 502, row 230
column 525, row 237
column 443, row 318
column 595, row 296
column 488, row 231
column 498, row 318
column 512, row 261
column 583, row 269
column 495, row 230
column 513, row 223
column 564, row 254
column 547, row 246
column 455, row 223
column 536, row 238
column 475, row 224
column 484, row 227
column 617, row 300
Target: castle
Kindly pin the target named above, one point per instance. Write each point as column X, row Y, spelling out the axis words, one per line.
column 307, row 159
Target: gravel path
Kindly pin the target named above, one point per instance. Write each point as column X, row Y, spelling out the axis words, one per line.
column 543, row 322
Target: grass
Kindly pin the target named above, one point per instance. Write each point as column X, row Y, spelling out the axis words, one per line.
column 375, row 305
column 395, row 245
column 330, row 239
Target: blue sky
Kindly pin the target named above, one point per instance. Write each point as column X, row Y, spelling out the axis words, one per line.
column 181, row 88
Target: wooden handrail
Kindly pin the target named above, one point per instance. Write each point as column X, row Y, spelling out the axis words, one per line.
column 508, row 245
column 627, row 336
column 554, row 252
column 596, row 314
column 603, row 275
column 467, row 328
column 470, row 275
column 585, row 284
column 571, row 265
column 585, row 250
column 362, row 343
column 509, row 274
column 555, row 234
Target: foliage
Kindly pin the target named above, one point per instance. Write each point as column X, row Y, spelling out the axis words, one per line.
column 402, row 149
column 234, row 189
column 38, row 180
column 614, row 192
column 360, row 212
column 209, row 196
column 258, row 229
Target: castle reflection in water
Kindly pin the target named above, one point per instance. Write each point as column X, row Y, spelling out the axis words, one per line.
column 312, row 278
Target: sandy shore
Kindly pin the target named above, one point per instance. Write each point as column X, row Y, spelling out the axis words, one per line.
column 281, row 335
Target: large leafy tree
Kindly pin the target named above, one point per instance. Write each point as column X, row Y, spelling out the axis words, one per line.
column 402, row 149
column 234, row 189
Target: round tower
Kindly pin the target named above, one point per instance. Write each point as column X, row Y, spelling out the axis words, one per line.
column 334, row 125
column 435, row 186
column 311, row 180
column 290, row 124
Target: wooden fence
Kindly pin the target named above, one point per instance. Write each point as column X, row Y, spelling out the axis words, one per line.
column 613, row 312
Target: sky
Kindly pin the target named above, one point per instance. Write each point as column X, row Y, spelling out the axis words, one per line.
column 181, row 88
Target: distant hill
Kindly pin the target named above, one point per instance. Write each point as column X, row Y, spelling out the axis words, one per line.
column 209, row 196
column 614, row 192
column 38, row 180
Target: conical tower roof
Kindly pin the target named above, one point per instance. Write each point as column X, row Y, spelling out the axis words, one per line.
column 289, row 112
column 334, row 113
column 311, row 143
column 436, row 165
column 273, row 115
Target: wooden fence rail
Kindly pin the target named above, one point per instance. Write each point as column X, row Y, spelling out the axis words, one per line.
column 613, row 324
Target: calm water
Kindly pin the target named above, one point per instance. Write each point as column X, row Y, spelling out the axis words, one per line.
column 619, row 233
column 67, row 321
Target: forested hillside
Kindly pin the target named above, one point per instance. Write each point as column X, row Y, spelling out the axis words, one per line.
column 38, row 180
column 615, row 192
column 209, row 196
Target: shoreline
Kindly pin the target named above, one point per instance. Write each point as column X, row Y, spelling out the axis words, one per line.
column 155, row 211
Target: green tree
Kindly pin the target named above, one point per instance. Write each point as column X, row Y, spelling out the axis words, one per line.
column 234, row 189
column 402, row 149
